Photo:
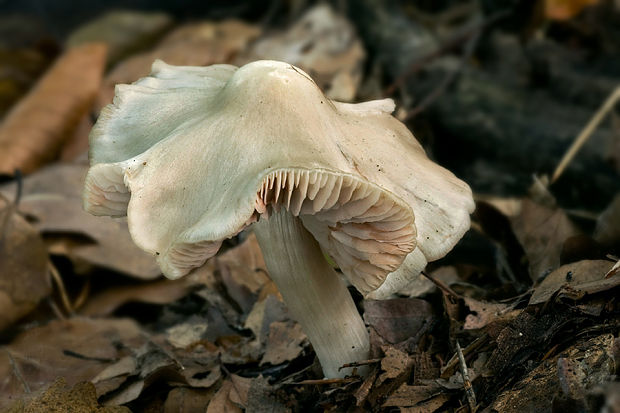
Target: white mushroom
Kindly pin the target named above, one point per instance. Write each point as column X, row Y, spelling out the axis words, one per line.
column 193, row 155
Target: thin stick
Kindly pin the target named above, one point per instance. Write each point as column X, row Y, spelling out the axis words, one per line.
column 59, row 315
column 586, row 133
column 83, row 296
column 17, row 372
column 66, row 302
column 469, row 389
column 441, row 285
column 448, row 369
column 359, row 363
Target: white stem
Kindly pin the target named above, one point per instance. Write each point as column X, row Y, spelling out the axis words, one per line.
column 313, row 292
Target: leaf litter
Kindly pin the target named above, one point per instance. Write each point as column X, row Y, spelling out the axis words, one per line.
column 529, row 323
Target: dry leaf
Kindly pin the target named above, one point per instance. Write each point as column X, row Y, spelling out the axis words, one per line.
column 152, row 363
column 322, row 43
column 263, row 314
column 158, row 292
column 242, row 271
column 407, row 396
column 112, row 377
column 574, row 280
column 566, row 9
column 607, row 230
column 76, row 349
column 285, row 342
column 196, row 44
column 395, row 364
column 483, row 313
column 53, row 198
column 23, row 266
column 398, row 319
column 35, row 129
column 221, row 401
column 240, row 389
column 188, row 400
column 542, row 230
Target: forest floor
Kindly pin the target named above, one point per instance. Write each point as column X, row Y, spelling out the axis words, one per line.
column 523, row 315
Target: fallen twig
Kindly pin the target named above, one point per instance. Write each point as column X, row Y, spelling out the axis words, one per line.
column 64, row 297
column 469, row 389
column 82, row 296
column 17, row 372
column 585, row 134
column 345, row 380
column 450, row 366
column 441, row 285
column 359, row 363
column 59, row 315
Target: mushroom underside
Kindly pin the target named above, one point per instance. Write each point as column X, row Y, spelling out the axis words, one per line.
column 367, row 230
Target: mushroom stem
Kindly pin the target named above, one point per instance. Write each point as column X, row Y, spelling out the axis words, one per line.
column 315, row 294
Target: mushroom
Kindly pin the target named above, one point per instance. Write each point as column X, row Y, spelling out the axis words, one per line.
column 193, row 155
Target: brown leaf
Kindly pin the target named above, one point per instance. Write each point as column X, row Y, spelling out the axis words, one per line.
column 361, row 394
column 542, row 230
column 60, row 398
column 322, row 43
column 195, row 44
column 398, row 319
column 285, row 342
column 152, row 362
column 188, row 400
column 113, row 376
column 242, row 271
column 407, row 396
column 483, row 313
column 263, row 314
column 53, row 197
column 221, row 401
column 36, row 128
column 395, row 363
column 240, row 389
column 607, row 230
column 155, row 292
column 23, row 266
column 77, row 349
column 575, row 280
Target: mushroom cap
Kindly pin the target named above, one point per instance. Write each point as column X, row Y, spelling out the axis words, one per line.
column 193, row 155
